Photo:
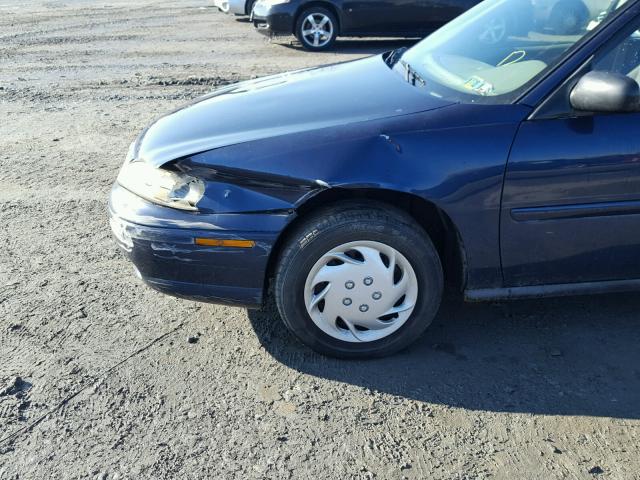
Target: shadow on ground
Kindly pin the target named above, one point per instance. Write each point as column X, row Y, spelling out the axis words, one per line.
column 572, row 356
column 350, row 46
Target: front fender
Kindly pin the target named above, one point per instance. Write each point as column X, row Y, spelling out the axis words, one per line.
column 453, row 157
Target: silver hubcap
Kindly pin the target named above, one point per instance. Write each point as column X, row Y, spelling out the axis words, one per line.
column 361, row 291
column 317, row 30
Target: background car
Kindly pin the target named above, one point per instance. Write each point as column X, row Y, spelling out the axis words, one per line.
column 237, row 7
column 318, row 24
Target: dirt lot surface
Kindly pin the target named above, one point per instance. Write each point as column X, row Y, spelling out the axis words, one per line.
column 101, row 377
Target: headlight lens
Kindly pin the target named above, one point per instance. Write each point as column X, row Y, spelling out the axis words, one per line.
column 172, row 189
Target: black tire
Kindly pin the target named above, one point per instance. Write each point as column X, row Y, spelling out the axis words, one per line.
column 344, row 223
column 300, row 23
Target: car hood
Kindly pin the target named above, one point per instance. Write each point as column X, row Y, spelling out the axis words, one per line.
column 300, row 101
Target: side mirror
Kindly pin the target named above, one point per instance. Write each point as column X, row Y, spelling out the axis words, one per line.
column 606, row 92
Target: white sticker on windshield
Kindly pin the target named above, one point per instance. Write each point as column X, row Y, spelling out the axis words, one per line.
column 479, row 85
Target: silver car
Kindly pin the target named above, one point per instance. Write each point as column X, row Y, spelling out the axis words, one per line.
column 237, row 7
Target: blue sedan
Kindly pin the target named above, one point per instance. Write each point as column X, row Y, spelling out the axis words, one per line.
column 500, row 157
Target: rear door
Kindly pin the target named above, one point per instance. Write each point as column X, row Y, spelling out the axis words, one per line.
column 401, row 17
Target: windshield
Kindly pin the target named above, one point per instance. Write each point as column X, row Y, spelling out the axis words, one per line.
column 492, row 52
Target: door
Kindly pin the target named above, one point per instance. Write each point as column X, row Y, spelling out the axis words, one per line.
column 371, row 16
column 571, row 201
column 429, row 15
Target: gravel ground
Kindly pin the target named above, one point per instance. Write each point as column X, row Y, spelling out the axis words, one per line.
column 101, row 377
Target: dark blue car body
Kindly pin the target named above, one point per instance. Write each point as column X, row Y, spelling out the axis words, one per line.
column 523, row 201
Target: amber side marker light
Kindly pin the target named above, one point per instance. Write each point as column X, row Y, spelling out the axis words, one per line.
column 215, row 242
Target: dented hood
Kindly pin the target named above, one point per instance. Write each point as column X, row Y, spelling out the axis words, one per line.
column 283, row 104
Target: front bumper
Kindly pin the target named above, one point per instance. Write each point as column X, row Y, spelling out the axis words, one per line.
column 160, row 242
column 274, row 19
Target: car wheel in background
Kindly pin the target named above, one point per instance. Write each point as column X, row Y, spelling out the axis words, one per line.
column 358, row 281
column 317, row 29
column 568, row 17
column 501, row 25
column 495, row 30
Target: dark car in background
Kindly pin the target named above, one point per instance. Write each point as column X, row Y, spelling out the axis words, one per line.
column 318, row 24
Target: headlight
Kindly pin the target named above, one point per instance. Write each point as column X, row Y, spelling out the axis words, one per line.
column 172, row 189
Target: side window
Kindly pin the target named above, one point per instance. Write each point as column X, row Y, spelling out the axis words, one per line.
column 623, row 58
column 621, row 55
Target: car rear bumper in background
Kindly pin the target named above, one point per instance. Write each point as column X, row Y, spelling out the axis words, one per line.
column 160, row 242
column 274, row 19
column 237, row 7
column 222, row 5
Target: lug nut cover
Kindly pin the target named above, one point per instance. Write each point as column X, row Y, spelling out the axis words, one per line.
column 364, row 308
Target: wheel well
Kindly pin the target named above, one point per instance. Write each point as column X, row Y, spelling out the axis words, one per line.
column 433, row 220
column 322, row 4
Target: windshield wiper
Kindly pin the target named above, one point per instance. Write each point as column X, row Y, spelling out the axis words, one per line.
column 395, row 55
column 411, row 75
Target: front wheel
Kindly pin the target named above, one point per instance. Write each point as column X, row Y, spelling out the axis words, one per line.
column 317, row 29
column 358, row 281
